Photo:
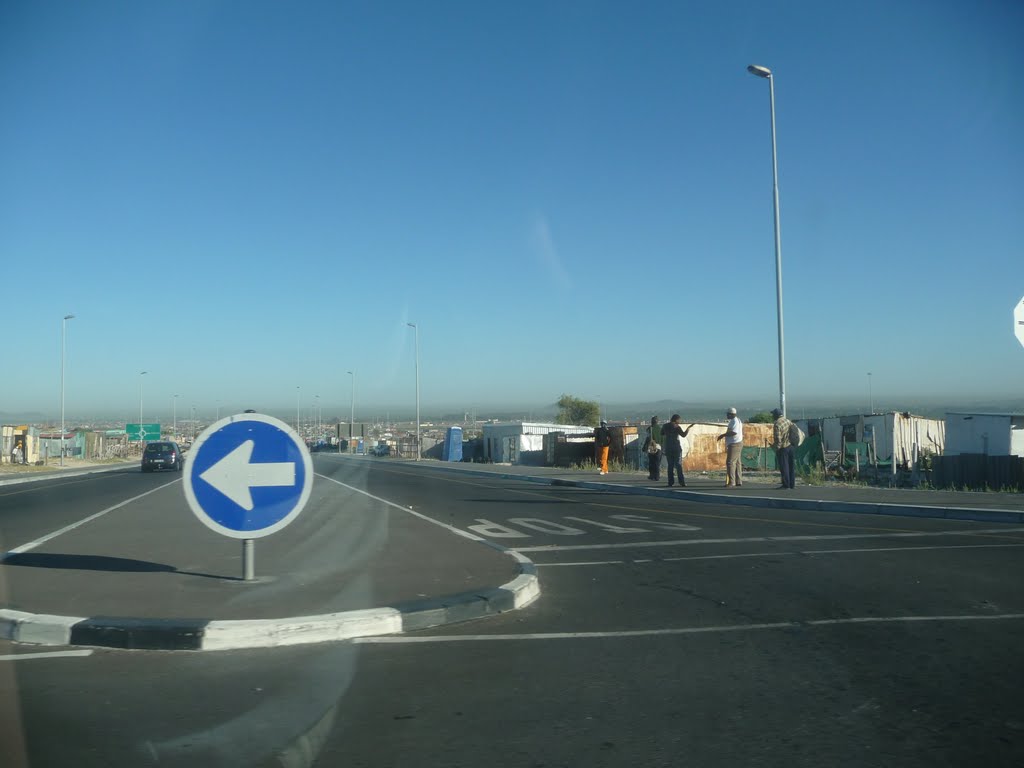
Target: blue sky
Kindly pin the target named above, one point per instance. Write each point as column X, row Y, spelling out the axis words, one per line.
column 247, row 197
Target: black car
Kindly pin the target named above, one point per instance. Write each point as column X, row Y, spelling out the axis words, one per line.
column 162, row 455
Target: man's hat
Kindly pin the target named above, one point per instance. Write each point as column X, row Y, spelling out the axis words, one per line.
column 604, row 423
column 731, row 412
column 776, row 413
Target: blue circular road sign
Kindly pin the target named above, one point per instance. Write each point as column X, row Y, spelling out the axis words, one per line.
column 248, row 476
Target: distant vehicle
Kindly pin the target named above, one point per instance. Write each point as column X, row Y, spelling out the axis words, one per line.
column 382, row 450
column 162, row 455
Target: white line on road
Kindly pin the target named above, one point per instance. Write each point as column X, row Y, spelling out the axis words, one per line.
column 403, row 639
column 42, row 540
column 409, row 511
column 753, row 539
column 45, row 655
column 774, row 554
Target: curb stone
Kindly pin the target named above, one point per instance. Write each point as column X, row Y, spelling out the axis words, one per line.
column 60, row 475
column 214, row 635
column 220, row 635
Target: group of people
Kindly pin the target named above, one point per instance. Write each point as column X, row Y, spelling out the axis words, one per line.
column 669, row 440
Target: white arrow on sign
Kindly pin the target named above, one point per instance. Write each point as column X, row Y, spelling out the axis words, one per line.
column 234, row 475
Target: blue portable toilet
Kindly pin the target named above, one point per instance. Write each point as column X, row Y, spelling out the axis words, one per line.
column 452, row 450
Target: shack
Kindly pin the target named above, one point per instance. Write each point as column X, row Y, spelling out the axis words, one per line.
column 988, row 434
column 893, row 437
column 522, row 442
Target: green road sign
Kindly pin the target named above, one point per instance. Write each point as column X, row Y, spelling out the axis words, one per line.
column 142, row 431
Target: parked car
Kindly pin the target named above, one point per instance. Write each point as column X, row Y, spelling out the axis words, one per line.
column 382, row 450
column 162, row 455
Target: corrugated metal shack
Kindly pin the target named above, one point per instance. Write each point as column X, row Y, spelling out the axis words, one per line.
column 990, row 434
column 523, row 442
column 893, row 437
column 984, row 451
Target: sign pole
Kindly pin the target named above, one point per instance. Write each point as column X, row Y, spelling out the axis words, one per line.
column 248, row 559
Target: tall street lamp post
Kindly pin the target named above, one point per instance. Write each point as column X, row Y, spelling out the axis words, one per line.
column 298, row 423
column 871, row 397
column 767, row 75
column 141, row 374
column 352, row 408
column 419, row 445
column 174, row 417
column 63, row 347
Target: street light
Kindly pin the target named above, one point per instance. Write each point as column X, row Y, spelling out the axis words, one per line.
column 871, row 398
column 352, row 411
column 419, row 450
column 174, row 416
column 63, row 346
column 298, row 423
column 767, row 75
column 141, row 374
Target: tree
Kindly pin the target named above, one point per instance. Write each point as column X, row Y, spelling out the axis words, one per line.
column 761, row 418
column 573, row 410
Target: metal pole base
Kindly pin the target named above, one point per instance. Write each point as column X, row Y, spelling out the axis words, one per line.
column 248, row 559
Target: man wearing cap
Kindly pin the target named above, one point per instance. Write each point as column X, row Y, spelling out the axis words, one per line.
column 784, row 450
column 602, row 441
column 733, row 449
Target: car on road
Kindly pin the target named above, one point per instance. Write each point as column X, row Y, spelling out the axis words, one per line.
column 164, row 454
column 382, row 450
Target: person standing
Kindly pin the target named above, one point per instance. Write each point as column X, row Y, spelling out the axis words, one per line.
column 653, row 449
column 16, row 454
column 733, row 449
column 671, row 439
column 784, row 449
column 602, row 441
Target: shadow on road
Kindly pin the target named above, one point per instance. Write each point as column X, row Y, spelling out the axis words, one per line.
column 95, row 563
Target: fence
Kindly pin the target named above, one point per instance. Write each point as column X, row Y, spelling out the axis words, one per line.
column 976, row 471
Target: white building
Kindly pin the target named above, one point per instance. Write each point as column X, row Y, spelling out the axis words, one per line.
column 507, row 443
column 991, row 434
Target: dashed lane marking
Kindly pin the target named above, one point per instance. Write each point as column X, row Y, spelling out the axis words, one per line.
column 772, row 554
column 750, row 540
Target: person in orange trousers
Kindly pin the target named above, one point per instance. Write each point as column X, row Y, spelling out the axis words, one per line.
column 602, row 441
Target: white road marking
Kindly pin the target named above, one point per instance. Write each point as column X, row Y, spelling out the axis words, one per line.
column 773, row 554
column 408, row 511
column 753, row 539
column 411, row 639
column 42, row 540
column 45, row 655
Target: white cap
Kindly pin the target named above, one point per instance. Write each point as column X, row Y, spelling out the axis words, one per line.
column 731, row 412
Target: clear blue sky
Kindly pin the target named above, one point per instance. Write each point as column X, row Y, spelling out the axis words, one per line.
column 248, row 197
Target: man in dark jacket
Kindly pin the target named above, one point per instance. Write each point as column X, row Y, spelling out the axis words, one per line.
column 671, row 436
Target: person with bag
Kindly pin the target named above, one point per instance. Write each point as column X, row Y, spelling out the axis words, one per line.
column 653, row 450
column 673, row 438
column 783, row 444
column 733, row 449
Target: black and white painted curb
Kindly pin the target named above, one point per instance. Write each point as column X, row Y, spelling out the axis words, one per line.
column 214, row 635
column 770, row 502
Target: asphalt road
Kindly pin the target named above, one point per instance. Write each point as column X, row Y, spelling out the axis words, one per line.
column 668, row 633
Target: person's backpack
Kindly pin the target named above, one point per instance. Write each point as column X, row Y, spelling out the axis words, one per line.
column 796, row 435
